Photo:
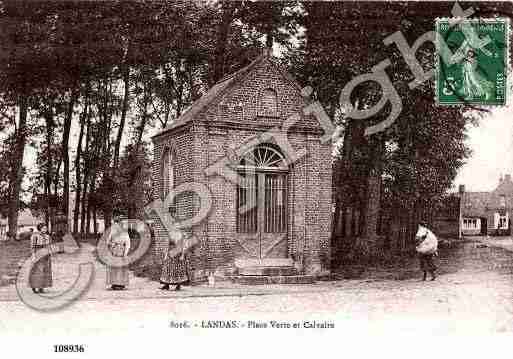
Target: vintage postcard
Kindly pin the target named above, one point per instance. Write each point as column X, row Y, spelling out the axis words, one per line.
column 255, row 178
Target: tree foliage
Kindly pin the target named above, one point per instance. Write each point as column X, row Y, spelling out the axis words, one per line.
column 415, row 161
column 85, row 82
column 110, row 72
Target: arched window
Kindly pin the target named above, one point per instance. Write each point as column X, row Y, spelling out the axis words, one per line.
column 168, row 171
column 268, row 103
column 262, row 195
column 265, row 156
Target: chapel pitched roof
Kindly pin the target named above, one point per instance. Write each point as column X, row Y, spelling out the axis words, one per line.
column 220, row 88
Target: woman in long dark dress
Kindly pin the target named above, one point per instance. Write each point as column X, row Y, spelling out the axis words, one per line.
column 41, row 274
column 175, row 266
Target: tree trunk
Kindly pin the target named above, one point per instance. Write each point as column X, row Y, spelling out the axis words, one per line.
column 373, row 196
column 92, row 203
column 344, row 198
column 50, row 124
column 223, row 33
column 337, row 230
column 17, row 167
column 107, row 206
column 88, row 218
column 137, row 181
column 78, row 158
column 65, row 156
column 269, row 40
column 372, row 207
column 56, row 179
column 47, row 209
column 95, row 222
column 122, row 120
column 85, row 180
column 109, row 184
column 83, row 209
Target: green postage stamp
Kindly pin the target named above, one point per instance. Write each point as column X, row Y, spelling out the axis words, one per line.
column 472, row 61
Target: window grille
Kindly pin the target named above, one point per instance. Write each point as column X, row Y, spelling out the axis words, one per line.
column 262, row 193
column 247, row 205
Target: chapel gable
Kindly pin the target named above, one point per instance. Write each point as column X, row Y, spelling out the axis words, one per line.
column 261, row 93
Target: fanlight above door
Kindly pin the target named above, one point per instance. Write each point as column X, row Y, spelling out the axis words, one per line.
column 264, row 157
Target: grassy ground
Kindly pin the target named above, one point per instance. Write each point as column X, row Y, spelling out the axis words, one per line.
column 11, row 253
column 453, row 256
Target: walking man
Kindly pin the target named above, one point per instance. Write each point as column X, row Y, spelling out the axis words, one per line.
column 426, row 246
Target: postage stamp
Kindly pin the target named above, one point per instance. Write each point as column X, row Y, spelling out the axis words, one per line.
column 472, row 61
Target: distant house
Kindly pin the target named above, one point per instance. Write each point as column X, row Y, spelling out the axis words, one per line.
column 26, row 221
column 488, row 213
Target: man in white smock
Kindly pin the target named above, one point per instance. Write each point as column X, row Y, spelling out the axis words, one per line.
column 426, row 246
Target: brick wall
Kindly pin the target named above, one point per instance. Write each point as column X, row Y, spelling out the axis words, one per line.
column 181, row 143
column 225, row 126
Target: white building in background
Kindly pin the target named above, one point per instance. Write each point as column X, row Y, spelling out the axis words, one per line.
column 488, row 213
column 27, row 221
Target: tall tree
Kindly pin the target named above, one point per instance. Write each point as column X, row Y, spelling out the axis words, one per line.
column 344, row 40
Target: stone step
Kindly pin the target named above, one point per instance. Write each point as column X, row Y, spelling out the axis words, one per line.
column 267, row 271
column 266, row 280
column 264, row 262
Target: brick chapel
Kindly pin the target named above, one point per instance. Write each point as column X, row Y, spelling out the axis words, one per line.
column 276, row 218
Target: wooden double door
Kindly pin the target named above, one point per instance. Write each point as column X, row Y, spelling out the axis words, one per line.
column 262, row 213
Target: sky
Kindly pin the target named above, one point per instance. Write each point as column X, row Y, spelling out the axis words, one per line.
column 492, row 151
column 491, row 143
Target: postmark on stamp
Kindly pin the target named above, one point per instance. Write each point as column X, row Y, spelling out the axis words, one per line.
column 472, row 61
